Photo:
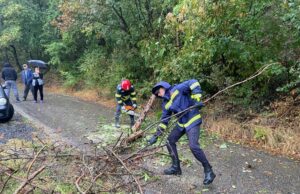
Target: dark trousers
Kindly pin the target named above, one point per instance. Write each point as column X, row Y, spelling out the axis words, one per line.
column 193, row 136
column 37, row 88
column 27, row 87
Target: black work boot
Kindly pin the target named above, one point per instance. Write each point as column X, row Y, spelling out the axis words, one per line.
column 131, row 122
column 117, row 122
column 209, row 175
column 174, row 169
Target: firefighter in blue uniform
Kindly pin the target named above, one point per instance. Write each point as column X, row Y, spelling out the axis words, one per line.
column 176, row 99
column 125, row 95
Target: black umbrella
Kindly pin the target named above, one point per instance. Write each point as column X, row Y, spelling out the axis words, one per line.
column 37, row 63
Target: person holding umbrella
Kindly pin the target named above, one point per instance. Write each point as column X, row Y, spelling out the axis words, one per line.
column 37, row 83
column 37, row 63
column 27, row 76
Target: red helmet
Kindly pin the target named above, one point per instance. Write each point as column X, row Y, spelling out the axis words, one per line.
column 125, row 84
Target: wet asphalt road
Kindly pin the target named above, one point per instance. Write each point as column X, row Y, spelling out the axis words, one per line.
column 16, row 128
column 67, row 117
column 239, row 169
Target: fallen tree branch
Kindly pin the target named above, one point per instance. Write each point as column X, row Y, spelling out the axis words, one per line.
column 40, row 140
column 77, row 183
column 93, row 181
column 32, row 162
column 123, row 164
column 99, row 157
column 118, row 140
column 22, row 180
column 29, row 191
column 146, row 154
column 132, row 137
column 9, row 177
column 32, row 176
column 143, row 115
column 139, row 152
column 112, row 190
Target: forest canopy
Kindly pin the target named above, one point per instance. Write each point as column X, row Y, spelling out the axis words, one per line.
column 97, row 43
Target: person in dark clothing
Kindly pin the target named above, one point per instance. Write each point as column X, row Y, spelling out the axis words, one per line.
column 27, row 76
column 125, row 95
column 176, row 99
column 9, row 75
column 37, row 83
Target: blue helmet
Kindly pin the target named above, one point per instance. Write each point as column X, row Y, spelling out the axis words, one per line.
column 161, row 84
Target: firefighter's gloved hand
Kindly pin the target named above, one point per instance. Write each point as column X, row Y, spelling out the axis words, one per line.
column 199, row 104
column 159, row 131
column 196, row 97
column 134, row 106
column 153, row 140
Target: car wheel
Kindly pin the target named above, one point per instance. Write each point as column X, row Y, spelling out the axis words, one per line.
column 11, row 112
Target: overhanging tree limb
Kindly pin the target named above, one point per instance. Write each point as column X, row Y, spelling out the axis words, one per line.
column 257, row 73
column 124, row 25
column 14, row 51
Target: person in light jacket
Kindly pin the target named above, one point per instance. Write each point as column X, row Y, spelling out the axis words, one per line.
column 37, row 83
column 27, row 76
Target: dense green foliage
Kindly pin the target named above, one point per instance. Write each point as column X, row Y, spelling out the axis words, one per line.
column 97, row 43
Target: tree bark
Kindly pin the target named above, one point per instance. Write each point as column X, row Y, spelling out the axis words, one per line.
column 124, row 25
column 143, row 115
column 149, row 14
column 16, row 57
column 6, row 55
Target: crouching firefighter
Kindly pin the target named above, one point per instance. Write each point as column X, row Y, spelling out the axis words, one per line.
column 176, row 99
column 125, row 96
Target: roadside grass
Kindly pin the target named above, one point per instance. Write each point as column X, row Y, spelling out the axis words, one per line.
column 91, row 95
column 263, row 131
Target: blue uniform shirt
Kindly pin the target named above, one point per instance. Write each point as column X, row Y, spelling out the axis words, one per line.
column 125, row 97
column 178, row 98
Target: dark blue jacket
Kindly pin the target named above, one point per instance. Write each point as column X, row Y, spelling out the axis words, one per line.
column 9, row 73
column 125, row 97
column 28, row 79
column 178, row 98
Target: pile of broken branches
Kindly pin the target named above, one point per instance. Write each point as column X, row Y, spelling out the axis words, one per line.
column 42, row 166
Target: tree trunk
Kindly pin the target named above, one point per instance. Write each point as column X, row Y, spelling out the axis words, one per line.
column 131, row 138
column 123, row 23
column 16, row 57
column 6, row 60
column 143, row 115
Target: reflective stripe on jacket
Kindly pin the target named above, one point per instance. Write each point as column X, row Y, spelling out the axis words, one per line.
column 125, row 96
column 179, row 98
